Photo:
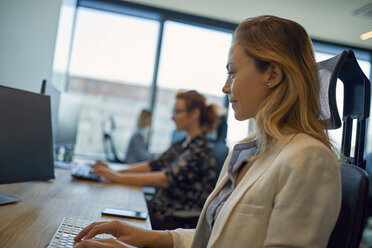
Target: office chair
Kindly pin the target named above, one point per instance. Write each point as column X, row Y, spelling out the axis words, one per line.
column 368, row 159
column 108, row 127
column 349, row 227
column 219, row 143
column 177, row 136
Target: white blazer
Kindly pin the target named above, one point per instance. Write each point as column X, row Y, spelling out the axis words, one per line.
column 290, row 197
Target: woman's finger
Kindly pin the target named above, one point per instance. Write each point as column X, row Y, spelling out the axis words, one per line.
column 92, row 244
column 101, row 243
column 114, row 242
column 86, row 230
column 101, row 171
column 100, row 163
column 97, row 171
column 105, row 227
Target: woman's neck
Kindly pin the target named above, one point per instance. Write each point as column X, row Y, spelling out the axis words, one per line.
column 192, row 132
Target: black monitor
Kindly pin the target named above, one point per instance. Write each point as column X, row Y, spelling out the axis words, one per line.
column 65, row 109
column 26, row 148
column 54, row 94
column 68, row 119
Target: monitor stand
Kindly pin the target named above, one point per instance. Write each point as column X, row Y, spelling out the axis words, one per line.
column 5, row 199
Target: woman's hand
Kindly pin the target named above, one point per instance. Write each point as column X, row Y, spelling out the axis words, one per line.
column 102, row 169
column 123, row 232
column 99, row 163
column 104, row 243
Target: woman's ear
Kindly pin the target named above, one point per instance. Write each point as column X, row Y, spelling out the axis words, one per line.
column 195, row 114
column 275, row 75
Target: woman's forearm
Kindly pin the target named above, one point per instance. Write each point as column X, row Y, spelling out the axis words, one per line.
column 150, row 179
column 140, row 167
column 161, row 239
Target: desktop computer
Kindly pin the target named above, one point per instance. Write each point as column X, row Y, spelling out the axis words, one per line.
column 26, row 148
column 66, row 110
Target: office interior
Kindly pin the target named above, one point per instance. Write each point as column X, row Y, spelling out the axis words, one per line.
column 118, row 57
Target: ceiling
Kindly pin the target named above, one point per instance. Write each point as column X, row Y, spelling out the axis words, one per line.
column 326, row 20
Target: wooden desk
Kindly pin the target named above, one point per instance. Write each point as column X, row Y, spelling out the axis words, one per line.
column 33, row 221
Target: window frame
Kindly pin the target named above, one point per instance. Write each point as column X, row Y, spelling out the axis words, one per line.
column 162, row 15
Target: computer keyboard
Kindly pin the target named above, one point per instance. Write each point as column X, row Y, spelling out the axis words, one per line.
column 67, row 230
column 84, row 171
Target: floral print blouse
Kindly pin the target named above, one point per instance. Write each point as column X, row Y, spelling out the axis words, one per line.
column 190, row 167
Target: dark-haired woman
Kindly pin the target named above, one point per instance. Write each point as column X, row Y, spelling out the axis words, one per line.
column 185, row 174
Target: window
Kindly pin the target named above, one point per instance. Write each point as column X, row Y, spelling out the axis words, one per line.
column 61, row 54
column 111, row 68
column 192, row 57
column 125, row 57
column 115, row 57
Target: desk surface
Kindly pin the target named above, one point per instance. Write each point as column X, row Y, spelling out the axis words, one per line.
column 33, row 221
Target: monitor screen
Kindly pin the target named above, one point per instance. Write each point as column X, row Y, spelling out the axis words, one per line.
column 68, row 119
column 26, row 148
column 65, row 115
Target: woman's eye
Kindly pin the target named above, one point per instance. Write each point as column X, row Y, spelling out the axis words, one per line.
column 231, row 74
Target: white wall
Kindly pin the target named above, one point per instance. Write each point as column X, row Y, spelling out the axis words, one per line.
column 28, row 31
column 329, row 20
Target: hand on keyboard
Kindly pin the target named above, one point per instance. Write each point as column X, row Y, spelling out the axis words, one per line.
column 67, row 230
column 99, row 163
column 103, row 170
column 123, row 232
column 101, row 243
column 84, row 171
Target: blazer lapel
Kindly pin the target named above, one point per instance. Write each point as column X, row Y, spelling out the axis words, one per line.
column 216, row 190
column 200, row 239
column 220, row 183
column 252, row 175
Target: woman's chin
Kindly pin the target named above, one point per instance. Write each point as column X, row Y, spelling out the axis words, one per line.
column 240, row 117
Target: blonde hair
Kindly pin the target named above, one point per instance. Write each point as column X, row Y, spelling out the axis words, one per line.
column 143, row 116
column 293, row 105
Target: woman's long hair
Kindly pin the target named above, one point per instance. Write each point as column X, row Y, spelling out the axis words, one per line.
column 294, row 103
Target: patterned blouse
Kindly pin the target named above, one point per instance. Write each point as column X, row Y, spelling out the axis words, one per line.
column 190, row 168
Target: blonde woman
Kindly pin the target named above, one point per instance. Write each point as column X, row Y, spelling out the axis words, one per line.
column 281, row 188
column 137, row 150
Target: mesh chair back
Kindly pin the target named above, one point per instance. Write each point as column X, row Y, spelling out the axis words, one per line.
column 108, row 141
column 349, row 227
column 356, row 101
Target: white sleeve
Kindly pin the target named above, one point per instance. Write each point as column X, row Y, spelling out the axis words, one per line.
column 182, row 238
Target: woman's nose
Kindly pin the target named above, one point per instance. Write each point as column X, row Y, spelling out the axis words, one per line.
column 226, row 87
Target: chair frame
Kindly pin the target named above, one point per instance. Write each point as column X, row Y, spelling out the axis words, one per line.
column 350, row 224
